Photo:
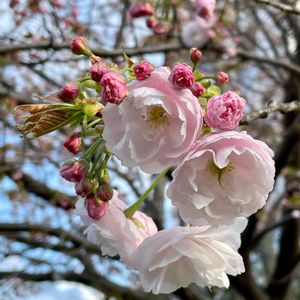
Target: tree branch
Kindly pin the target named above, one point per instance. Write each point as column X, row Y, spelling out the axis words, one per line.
column 282, row 6
column 272, row 107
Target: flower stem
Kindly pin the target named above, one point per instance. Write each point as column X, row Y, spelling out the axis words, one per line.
column 129, row 212
column 92, row 149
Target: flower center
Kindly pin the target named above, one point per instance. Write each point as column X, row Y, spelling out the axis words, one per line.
column 157, row 116
column 218, row 172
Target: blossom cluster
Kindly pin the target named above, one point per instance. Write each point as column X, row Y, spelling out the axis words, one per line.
column 159, row 120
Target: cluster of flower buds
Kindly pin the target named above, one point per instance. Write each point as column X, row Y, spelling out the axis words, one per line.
column 159, row 26
column 96, row 191
column 155, row 119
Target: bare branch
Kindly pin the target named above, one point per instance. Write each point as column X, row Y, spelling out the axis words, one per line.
column 99, row 51
column 272, row 107
column 282, row 6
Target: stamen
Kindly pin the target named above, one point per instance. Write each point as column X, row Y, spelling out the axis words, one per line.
column 219, row 172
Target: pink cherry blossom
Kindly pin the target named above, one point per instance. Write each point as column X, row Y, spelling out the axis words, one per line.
column 114, row 87
column 155, row 126
column 139, row 9
column 196, row 32
column 182, row 76
column 226, row 175
column 69, row 92
column 161, row 28
column 142, row 70
column 179, row 256
column 114, row 233
column 98, row 69
column 205, row 8
column 225, row 111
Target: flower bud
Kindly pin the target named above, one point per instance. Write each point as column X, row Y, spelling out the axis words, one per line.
column 142, row 70
column 151, row 22
column 114, row 87
column 225, row 111
column 162, row 28
column 182, row 76
column 79, row 46
column 197, row 89
column 98, row 69
column 137, row 9
column 195, row 56
column 95, row 210
column 84, row 187
column 104, row 191
column 74, row 144
column 73, row 170
column 205, row 8
column 69, row 92
column 222, row 78
column 91, row 108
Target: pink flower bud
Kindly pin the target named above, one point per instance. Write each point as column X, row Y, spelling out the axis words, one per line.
column 182, row 76
column 98, row 69
column 222, row 78
column 195, row 56
column 114, row 87
column 84, row 187
column 224, row 112
column 95, row 210
column 105, row 192
column 138, row 9
column 79, row 46
column 142, row 70
column 197, row 89
column 162, row 28
column 73, row 170
column 69, row 92
column 205, row 8
column 74, row 144
column 151, row 22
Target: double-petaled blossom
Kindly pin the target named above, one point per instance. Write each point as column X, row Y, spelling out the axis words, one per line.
column 98, row 69
column 161, row 28
column 155, row 126
column 196, row 32
column 180, row 256
column 140, row 9
column 114, row 88
column 225, row 111
column 113, row 232
column 226, row 175
column 69, row 92
column 182, row 76
column 142, row 70
column 205, row 8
